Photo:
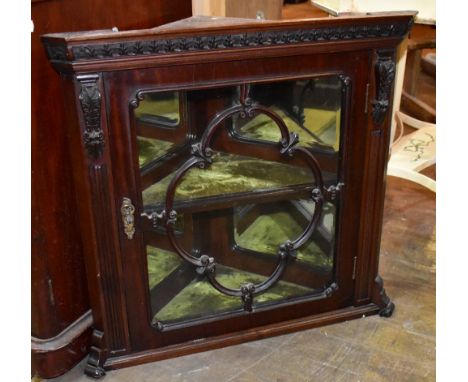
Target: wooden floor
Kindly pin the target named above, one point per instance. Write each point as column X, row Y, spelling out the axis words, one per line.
column 397, row 349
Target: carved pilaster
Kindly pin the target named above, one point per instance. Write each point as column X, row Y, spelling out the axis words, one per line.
column 90, row 101
column 385, row 75
column 110, row 274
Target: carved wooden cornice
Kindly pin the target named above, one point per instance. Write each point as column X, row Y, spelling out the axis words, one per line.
column 200, row 43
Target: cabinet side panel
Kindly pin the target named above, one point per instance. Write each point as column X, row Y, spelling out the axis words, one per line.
column 377, row 146
column 58, row 294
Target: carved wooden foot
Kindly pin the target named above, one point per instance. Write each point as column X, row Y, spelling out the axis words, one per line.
column 386, row 305
column 93, row 371
column 96, row 357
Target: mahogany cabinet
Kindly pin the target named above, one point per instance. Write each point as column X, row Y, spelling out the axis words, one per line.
column 231, row 177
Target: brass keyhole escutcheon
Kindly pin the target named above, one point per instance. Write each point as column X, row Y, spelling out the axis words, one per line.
column 127, row 210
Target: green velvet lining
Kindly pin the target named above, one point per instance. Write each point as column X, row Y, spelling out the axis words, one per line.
column 323, row 123
column 268, row 231
column 161, row 264
column 199, row 298
column 229, row 174
column 150, row 149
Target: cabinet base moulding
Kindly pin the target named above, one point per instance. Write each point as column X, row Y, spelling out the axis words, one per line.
column 241, row 337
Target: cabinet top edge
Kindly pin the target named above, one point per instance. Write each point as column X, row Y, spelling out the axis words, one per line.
column 107, row 50
column 196, row 25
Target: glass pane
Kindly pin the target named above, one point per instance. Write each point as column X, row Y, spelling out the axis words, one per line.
column 194, row 297
column 259, row 230
column 264, row 228
column 151, row 149
column 161, row 263
column 158, row 123
column 244, row 204
column 159, row 109
column 309, row 108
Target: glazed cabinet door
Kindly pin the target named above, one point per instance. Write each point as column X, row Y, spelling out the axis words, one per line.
column 237, row 202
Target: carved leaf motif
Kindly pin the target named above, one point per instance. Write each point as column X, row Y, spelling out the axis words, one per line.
column 385, row 72
column 57, row 52
column 245, row 40
column 93, row 136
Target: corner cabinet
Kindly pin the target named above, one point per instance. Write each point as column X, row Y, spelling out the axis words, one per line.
column 230, row 176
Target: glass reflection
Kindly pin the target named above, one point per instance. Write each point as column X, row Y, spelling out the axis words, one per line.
column 158, row 123
column 161, row 109
column 309, row 108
